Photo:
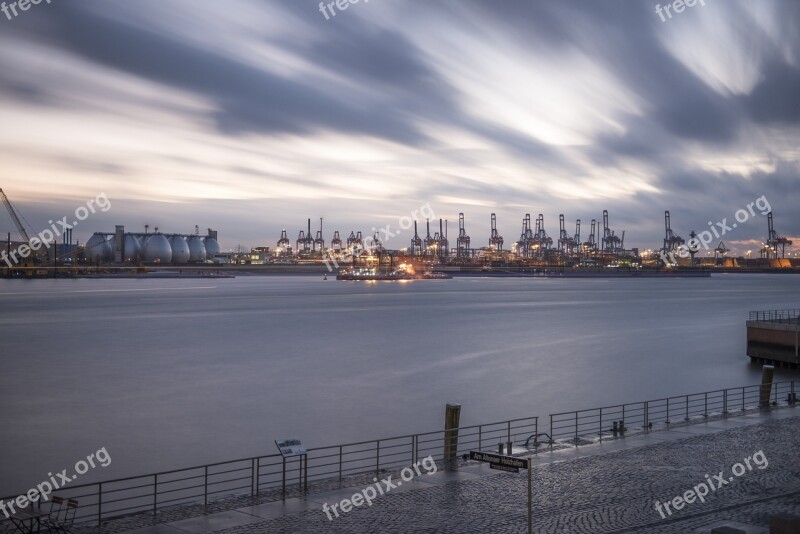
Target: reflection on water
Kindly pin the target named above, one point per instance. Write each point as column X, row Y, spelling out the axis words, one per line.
column 173, row 373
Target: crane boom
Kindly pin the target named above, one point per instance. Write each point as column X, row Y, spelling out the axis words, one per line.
column 21, row 229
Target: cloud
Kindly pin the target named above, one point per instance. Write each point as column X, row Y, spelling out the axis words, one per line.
column 253, row 115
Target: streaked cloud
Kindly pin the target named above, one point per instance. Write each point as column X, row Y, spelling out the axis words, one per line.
column 250, row 116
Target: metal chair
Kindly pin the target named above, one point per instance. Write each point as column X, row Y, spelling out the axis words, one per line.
column 69, row 516
column 57, row 515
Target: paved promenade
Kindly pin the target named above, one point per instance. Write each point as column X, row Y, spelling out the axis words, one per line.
column 608, row 487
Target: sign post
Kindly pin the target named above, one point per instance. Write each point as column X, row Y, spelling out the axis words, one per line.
column 510, row 464
column 291, row 447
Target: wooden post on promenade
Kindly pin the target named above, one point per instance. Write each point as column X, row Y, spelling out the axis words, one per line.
column 452, row 417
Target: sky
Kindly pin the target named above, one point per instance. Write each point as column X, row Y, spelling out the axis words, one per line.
column 250, row 116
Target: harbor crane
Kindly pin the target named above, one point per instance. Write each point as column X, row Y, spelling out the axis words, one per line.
column 23, row 235
column 283, row 243
column 416, row 243
column 305, row 240
column 496, row 240
column 671, row 241
column 526, row 237
column 611, row 243
column 355, row 243
column 430, row 241
column 462, row 242
column 442, row 244
column 775, row 240
column 591, row 244
column 319, row 241
column 566, row 242
column 336, row 242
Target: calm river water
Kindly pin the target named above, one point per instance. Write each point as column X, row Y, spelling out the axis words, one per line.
column 175, row 373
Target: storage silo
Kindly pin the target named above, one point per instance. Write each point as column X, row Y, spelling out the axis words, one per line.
column 133, row 249
column 212, row 247
column 197, row 250
column 157, row 249
column 180, row 249
column 98, row 249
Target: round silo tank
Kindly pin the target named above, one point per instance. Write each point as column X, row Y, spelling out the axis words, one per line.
column 97, row 248
column 197, row 250
column 157, row 249
column 212, row 247
column 180, row 249
column 133, row 249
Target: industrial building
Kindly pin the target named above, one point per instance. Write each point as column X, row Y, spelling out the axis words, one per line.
column 178, row 249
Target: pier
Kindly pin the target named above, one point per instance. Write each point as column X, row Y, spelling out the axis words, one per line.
column 772, row 337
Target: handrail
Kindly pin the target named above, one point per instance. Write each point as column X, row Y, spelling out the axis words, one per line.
column 775, row 315
column 198, row 484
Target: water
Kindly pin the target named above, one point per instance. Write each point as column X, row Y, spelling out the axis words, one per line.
column 175, row 373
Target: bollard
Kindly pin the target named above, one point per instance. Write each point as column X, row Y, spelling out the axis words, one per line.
column 622, row 426
column 509, row 447
column 614, row 428
column 500, row 448
column 451, row 419
column 767, row 372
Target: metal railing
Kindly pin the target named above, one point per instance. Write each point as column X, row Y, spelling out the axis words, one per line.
column 583, row 426
column 775, row 315
column 206, row 484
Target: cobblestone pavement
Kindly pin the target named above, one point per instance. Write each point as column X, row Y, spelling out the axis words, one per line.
column 580, row 492
column 614, row 492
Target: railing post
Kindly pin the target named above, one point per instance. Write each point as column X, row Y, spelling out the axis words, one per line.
column 687, row 409
column 743, row 398
column 536, row 427
column 155, row 493
column 205, row 486
column 705, row 410
column 552, row 436
column 99, row 504
column 509, row 431
column 646, row 414
column 601, row 425
column 725, row 402
column 576, row 429
column 480, row 437
column 413, row 450
column 378, row 458
column 340, row 463
column 667, row 410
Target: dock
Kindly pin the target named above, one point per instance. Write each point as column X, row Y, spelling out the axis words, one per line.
column 773, row 336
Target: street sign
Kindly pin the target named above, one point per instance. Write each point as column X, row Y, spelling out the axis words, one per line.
column 509, row 464
column 290, row 447
column 497, row 461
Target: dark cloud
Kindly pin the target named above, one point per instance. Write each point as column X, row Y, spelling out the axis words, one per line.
column 379, row 80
